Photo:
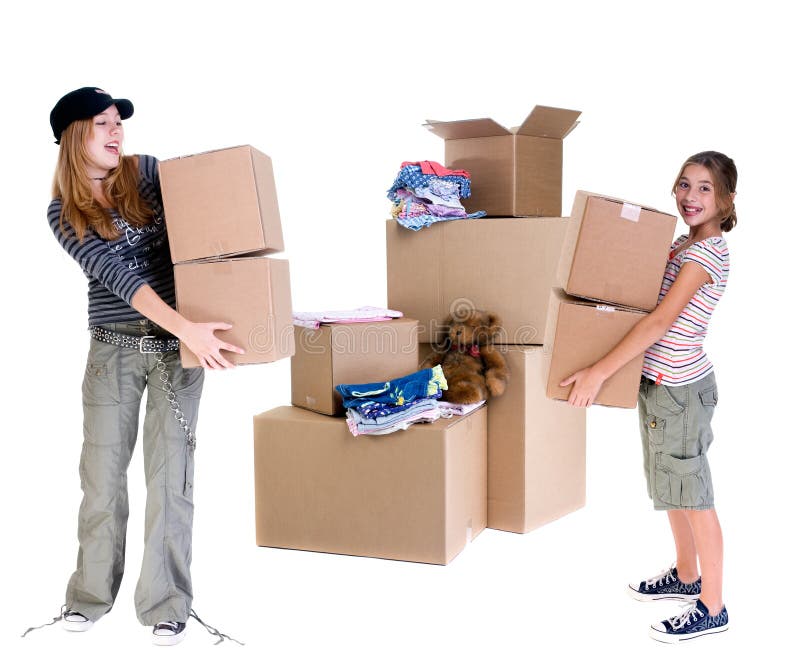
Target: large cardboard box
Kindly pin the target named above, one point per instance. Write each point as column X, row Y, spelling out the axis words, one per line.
column 537, row 448
column 515, row 172
column 251, row 293
column 220, row 203
column 504, row 265
column 615, row 251
column 417, row 495
column 579, row 333
column 349, row 353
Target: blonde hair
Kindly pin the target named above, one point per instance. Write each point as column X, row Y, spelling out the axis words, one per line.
column 71, row 184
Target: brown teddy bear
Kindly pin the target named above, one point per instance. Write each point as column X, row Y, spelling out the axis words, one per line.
column 473, row 368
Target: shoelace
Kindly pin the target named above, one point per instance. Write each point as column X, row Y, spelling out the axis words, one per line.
column 166, row 624
column 660, row 578
column 212, row 630
column 53, row 622
column 683, row 619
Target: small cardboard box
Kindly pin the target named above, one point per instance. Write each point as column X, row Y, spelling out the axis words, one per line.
column 349, row 353
column 615, row 251
column 251, row 293
column 579, row 333
column 504, row 265
column 417, row 495
column 537, row 448
column 515, row 172
column 220, row 203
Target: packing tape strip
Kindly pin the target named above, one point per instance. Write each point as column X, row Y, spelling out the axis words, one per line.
column 630, row 212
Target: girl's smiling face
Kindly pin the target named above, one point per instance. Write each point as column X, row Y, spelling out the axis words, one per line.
column 105, row 142
column 696, row 198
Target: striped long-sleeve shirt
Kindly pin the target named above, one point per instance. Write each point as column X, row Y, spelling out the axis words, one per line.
column 117, row 268
column 678, row 358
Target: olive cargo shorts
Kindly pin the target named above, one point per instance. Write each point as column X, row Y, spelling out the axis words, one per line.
column 675, row 424
column 113, row 387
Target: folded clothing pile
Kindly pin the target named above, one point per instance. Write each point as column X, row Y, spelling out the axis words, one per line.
column 382, row 407
column 425, row 192
column 313, row 319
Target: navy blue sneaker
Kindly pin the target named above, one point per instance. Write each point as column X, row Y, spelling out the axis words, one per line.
column 169, row 633
column 693, row 622
column 665, row 586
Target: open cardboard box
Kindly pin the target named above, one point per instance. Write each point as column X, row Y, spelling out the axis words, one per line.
column 514, row 172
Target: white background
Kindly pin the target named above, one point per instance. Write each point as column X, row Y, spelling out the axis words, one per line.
column 335, row 93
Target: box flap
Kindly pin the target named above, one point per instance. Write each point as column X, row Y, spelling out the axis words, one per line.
column 549, row 122
column 481, row 128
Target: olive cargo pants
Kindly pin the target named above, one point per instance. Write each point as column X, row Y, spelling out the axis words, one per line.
column 113, row 387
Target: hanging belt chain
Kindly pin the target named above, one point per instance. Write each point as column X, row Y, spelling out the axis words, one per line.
column 172, row 398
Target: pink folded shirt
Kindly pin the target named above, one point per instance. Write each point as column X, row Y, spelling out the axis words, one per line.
column 313, row 319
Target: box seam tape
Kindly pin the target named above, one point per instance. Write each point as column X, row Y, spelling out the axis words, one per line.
column 630, row 212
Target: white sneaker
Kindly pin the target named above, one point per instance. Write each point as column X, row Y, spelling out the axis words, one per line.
column 168, row 633
column 75, row 621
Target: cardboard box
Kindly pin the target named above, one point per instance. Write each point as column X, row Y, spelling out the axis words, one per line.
column 417, row 495
column 537, row 448
column 349, row 353
column 515, row 172
column 504, row 265
column 615, row 251
column 250, row 293
column 579, row 333
column 220, row 203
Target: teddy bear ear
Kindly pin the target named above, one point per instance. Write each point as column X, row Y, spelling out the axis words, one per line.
column 494, row 322
column 442, row 333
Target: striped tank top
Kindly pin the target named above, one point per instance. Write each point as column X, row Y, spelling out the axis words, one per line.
column 678, row 358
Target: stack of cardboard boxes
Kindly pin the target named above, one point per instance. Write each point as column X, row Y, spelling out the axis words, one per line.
column 609, row 277
column 418, row 494
column 506, row 263
column 515, row 464
column 222, row 217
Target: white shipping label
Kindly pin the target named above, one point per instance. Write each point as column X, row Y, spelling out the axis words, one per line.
column 605, row 308
column 630, row 212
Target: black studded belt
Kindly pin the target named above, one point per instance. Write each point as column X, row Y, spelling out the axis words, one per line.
column 145, row 344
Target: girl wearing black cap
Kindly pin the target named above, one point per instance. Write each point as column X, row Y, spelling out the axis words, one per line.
column 107, row 214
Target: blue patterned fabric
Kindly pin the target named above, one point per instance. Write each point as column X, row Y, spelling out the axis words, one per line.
column 421, row 200
column 411, row 176
column 373, row 410
column 427, row 220
column 399, row 391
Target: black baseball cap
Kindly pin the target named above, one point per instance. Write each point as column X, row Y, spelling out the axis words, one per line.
column 82, row 104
